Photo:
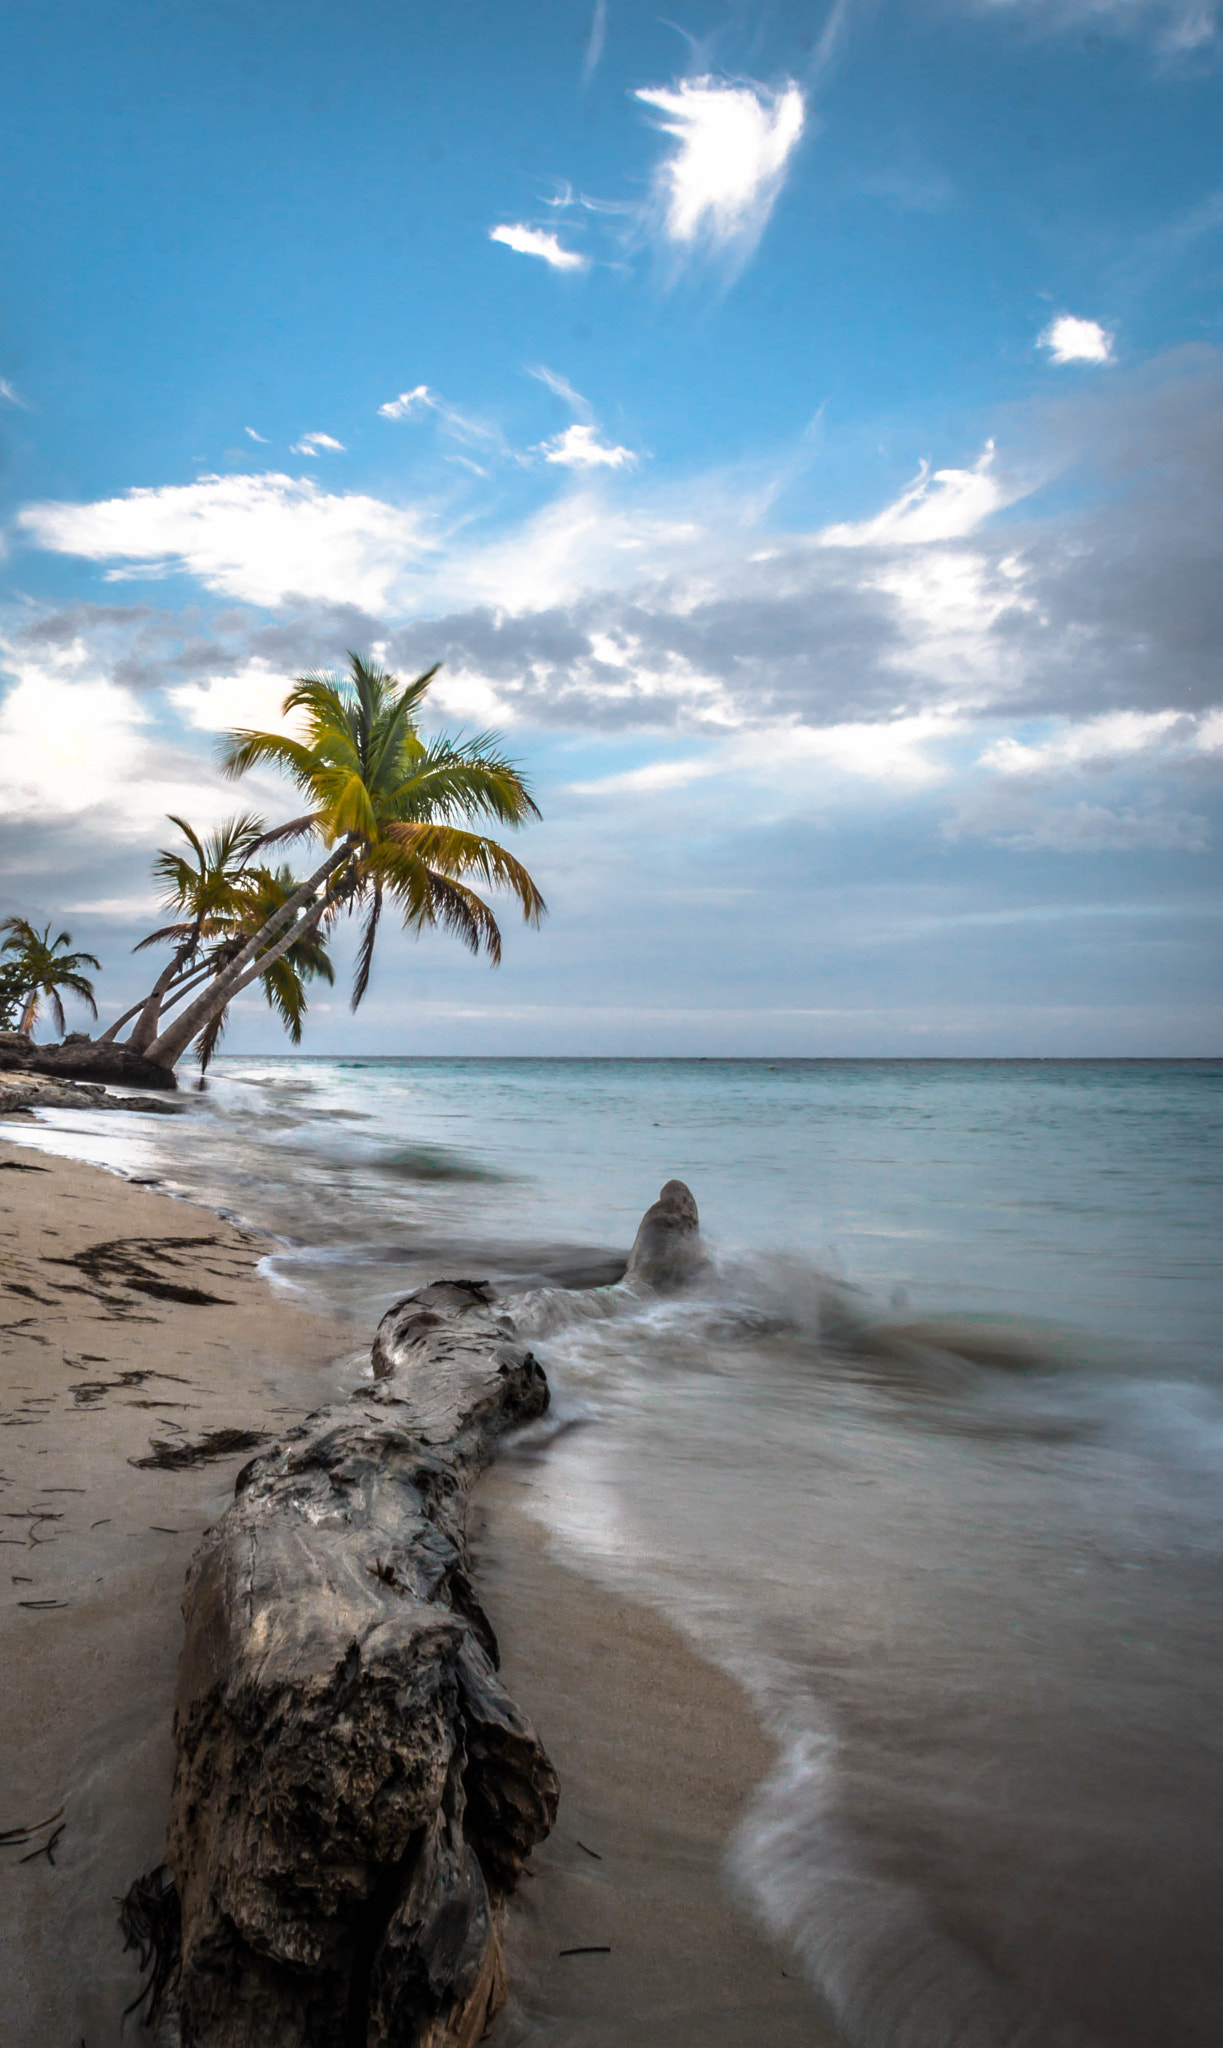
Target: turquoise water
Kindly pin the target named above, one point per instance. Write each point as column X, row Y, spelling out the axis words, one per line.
column 930, row 1458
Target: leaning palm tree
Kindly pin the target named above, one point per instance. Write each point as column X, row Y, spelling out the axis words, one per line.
column 284, row 982
column 208, row 886
column 393, row 812
column 44, row 967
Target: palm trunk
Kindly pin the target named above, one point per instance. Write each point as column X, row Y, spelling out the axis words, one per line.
column 30, row 1013
column 155, row 994
column 145, row 1028
column 174, row 1040
column 169, row 1001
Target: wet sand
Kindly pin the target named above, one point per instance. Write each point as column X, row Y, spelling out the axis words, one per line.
column 94, row 1368
column 657, row 1754
column 99, row 1361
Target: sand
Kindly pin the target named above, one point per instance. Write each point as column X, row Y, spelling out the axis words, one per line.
column 92, row 1369
column 657, row 1752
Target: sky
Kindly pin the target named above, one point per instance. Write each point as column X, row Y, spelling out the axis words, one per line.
column 797, row 430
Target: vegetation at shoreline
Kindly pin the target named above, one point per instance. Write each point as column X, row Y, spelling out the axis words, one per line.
column 400, row 819
column 37, row 969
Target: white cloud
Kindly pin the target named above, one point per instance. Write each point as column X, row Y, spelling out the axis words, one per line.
column 464, row 426
column 720, row 183
column 251, row 697
column 8, row 393
column 1071, row 340
column 250, row 431
column 654, row 776
column 946, row 506
column 893, row 750
column 311, row 443
column 408, row 402
column 563, row 389
column 537, row 242
column 258, row 538
column 1092, row 743
column 74, row 742
column 579, row 447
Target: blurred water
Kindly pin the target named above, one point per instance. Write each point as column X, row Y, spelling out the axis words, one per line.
column 929, row 1457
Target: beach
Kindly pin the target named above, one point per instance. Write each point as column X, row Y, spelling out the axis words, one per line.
column 657, row 1751
column 97, row 1370
column 658, row 1754
column 866, row 1590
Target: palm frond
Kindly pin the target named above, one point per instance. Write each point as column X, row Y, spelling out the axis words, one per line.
column 365, row 953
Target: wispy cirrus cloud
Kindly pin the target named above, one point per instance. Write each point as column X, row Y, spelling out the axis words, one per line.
column 409, row 403
column 253, row 436
column 1070, row 339
column 539, row 242
column 733, row 142
column 314, row 444
column 1177, row 28
column 466, row 427
column 11, row 396
column 562, row 388
column 595, row 42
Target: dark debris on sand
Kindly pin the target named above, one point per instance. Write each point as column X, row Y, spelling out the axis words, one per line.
column 215, row 1443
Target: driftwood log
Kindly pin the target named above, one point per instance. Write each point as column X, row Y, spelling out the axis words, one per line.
column 356, row 1793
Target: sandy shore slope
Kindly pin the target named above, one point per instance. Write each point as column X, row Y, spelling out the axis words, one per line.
column 98, row 1361
column 658, row 1754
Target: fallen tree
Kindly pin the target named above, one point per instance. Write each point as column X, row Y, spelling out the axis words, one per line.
column 356, row 1793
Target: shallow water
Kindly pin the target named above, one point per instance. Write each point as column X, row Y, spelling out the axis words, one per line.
column 929, row 1457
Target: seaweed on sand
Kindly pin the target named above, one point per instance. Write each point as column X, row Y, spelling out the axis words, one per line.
column 150, row 1922
column 215, row 1443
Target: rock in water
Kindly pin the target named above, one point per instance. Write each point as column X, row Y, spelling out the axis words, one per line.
column 356, row 1793
column 82, row 1060
column 667, row 1250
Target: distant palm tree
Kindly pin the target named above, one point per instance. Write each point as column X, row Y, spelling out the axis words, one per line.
column 384, row 802
column 43, row 968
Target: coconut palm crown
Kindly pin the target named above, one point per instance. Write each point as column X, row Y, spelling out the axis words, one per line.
column 43, row 966
column 398, row 817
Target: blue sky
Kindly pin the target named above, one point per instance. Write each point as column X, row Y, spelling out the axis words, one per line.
column 799, row 431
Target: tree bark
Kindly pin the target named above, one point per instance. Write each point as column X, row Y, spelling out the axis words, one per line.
column 146, row 1024
column 356, row 1793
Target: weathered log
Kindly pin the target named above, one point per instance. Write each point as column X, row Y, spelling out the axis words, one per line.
column 356, row 1793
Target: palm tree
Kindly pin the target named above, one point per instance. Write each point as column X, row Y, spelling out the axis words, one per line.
column 284, row 983
column 44, row 967
column 208, row 883
column 384, row 802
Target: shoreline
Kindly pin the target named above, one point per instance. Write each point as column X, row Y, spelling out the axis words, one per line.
column 658, row 1752
column 92, row 1675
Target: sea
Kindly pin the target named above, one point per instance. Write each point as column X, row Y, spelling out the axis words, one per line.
column 928, row 1455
